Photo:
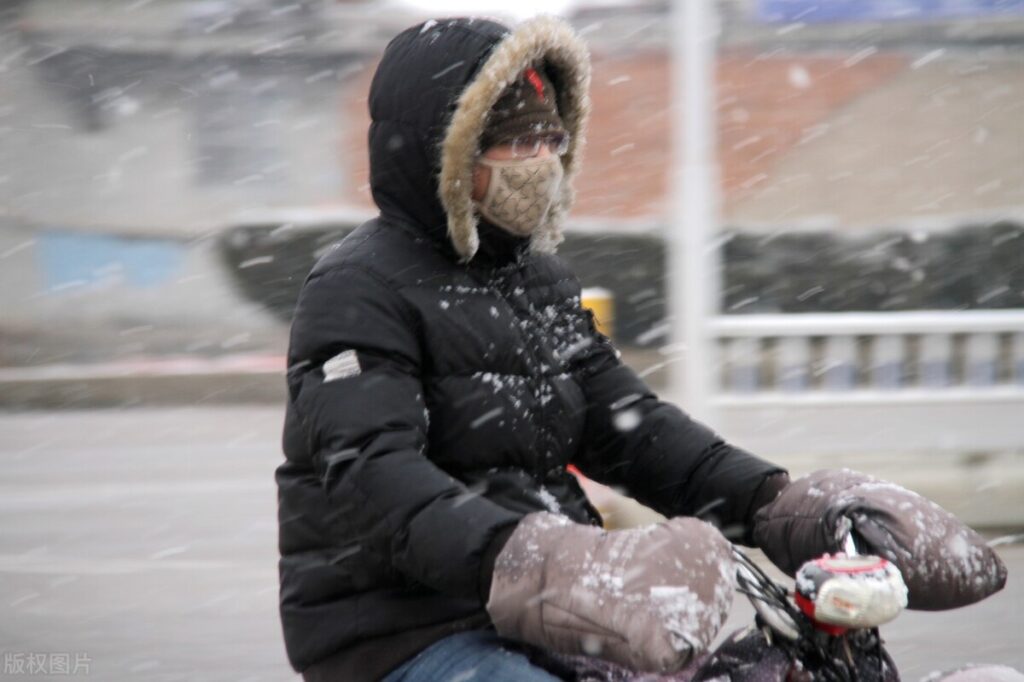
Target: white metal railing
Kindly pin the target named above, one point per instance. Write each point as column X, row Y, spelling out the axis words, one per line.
column 845, row 384
column 917, row 355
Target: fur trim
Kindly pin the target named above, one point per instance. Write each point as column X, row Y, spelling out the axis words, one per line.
column 544, row 39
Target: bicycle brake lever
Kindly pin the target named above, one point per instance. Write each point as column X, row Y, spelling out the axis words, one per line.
column 850, row 545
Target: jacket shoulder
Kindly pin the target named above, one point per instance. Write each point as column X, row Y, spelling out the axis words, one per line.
column 548, row 271
column 383, row 251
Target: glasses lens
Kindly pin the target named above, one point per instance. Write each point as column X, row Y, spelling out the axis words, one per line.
column 526, row 146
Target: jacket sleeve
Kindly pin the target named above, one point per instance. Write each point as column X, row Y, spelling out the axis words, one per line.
column 657, row 453
column 354, row 378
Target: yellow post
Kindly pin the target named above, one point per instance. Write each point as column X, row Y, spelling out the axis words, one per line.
column 600, row 301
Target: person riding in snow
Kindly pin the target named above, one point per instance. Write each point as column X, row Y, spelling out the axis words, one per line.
column 442, row 375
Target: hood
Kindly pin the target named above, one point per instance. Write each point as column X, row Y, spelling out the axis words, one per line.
column 429, row 102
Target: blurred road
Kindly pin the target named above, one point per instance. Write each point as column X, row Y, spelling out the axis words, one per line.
column 142, row 543
column 145, row 539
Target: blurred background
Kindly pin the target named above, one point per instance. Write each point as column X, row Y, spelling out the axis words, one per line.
column 170, row 170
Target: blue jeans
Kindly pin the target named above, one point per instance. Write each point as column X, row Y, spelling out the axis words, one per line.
column 479, row 655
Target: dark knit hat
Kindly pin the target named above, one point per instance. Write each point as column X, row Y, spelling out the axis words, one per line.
column 526, row 106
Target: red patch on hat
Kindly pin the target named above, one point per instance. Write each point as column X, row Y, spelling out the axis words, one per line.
column 534, row 78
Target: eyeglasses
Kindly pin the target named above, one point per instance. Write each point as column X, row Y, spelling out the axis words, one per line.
column 528, row 146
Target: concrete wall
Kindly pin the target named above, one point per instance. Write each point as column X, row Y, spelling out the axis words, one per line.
column 128, row 138
column 74, row 297
column 167, row 146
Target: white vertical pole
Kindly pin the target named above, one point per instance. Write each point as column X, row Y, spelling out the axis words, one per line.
column 693, row 268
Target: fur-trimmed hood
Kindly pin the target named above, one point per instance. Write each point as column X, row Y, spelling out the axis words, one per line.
column 429, row 102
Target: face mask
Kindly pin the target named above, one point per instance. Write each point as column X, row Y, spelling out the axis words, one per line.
column 521, row 192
